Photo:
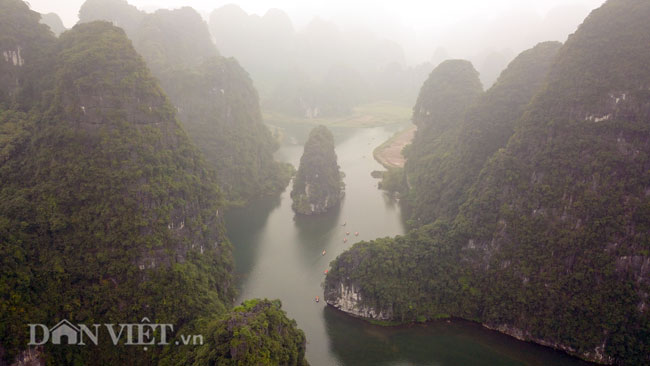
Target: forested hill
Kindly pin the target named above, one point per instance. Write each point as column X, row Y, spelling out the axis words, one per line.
column 255, row 333
column 22, row 45
column 109, row 213
column 444, row 97
column 102, row 189
column 552, row 244
column 450, row 88
column 318, row 185
column 464, row 131
column 214, row 97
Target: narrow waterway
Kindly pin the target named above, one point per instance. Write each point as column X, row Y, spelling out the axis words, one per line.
column 279, row 255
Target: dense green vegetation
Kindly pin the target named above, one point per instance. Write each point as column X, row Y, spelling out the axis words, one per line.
column 438, row 113
column 214, row 97
column 91, row 185
column 257, row 332
column 109, row 213
column 318, row 185
column 444, row 159
column 227, row 124
column 552, row 243
column 393, row 180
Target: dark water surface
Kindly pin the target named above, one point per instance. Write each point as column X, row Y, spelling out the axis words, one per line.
column 279, row 255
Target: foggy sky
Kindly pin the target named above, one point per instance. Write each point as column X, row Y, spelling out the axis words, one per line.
column 420, row 26
column 414, row 13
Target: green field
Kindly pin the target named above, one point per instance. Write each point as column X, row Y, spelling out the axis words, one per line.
column 365, row 115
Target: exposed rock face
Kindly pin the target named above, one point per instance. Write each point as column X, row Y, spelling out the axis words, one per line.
column 347, row 298
column 597, row 355
column 551, row 244
column 22, row 44
column 318, row 184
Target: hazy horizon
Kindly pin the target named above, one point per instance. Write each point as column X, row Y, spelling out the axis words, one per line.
column 465, row 28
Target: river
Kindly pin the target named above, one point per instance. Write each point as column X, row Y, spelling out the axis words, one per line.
column 279, row 255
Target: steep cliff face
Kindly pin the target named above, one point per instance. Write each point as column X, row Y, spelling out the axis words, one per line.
column 220, row 110
column 23, row 42
column 214, row 97
column 318, row 185
column 442, row 170
column 563, row 208
column 449, row 91
column 347, row 298
column 173, row 40
column 451, row 87
column 552, row 242
column 109, row 213
column 119, row 12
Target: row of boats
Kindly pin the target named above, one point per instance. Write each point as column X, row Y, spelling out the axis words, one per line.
column 345, row 240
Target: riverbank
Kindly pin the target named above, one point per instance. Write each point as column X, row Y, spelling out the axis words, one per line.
column 389, row 154
column 279, row 255
column 569, row 354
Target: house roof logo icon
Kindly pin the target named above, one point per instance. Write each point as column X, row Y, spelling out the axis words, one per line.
column 67, row 330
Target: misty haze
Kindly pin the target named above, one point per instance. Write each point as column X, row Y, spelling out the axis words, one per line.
column 194, row 182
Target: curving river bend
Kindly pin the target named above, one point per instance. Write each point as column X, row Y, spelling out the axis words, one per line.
column 279, row 255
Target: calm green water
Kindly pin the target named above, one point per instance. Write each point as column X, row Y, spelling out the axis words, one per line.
column 279, row 255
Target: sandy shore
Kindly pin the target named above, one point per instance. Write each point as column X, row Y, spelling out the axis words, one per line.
column 389, row 154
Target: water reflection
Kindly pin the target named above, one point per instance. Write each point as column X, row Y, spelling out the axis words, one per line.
column 316, row 233
column 246, row 224
column 443, row 343
column 281, row 257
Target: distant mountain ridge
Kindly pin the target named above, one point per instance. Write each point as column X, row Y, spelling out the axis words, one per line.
column 53, row 21
column 318, row 71
column 214, row 97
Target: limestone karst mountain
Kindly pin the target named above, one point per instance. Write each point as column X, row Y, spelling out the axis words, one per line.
column 109, row 212
column 214, row 97
column 443, row 165
column 551, row 244
column 318, row 184
column 53, row 21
